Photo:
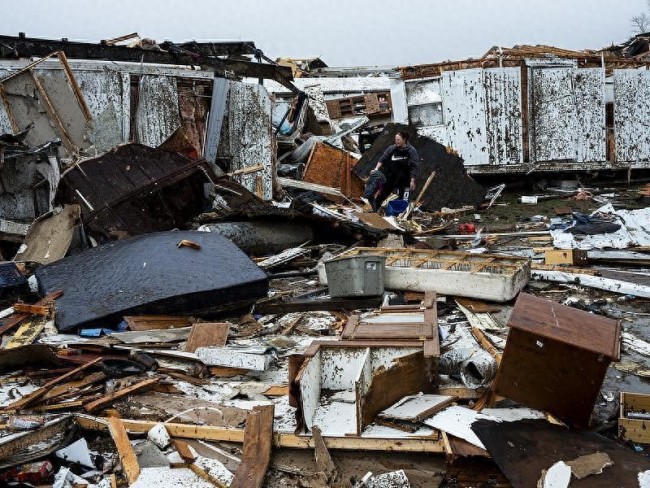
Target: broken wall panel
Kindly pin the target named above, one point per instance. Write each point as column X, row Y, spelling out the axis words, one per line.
column 157, row 115
column 332, row 167
column 632, row 115
column 251, row 139
column 553, row 118
column 336, row 385
column 193, row 111
column 108, row 97
column 464, row 113
column 567, row 114
column 503, row 115
column 135, row 189
column 28, row 181
column 51, row 102
column 220, row 89
column 589, row 87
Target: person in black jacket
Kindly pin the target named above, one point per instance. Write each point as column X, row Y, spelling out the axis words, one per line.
column 397, row 169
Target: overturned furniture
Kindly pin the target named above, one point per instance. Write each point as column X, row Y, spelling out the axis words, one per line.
column 343, row 385
column 381, row 358
column 556, row 358
column 485, row 277
column 152, row 274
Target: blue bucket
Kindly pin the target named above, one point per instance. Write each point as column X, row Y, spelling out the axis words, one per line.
column 396, row 207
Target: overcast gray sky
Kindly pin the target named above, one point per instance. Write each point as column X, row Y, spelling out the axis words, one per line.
column 343, row 33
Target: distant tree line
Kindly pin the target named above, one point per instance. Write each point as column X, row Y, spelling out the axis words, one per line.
column 641, row 22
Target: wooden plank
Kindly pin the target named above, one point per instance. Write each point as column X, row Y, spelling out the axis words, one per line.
column 154, row 322
column 276, row 391
column 201, row 473
column 407, row 376
column 27, row 333
column 111, row 397
column 129, row 460
column 12, row 322
column 312, row 305
column 258, row 438
column 322, row 456
column 37, row 394
column 74, row 385
column 44, row 310
column 207, row 334
column 226, row 372
column 184, row 450
column 483, row 340
column 229, row 434
column 478, row 306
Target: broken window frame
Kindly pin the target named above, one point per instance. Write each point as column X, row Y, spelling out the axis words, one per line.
column 436, row 106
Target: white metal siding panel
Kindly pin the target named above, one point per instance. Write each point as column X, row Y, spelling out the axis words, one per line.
column 503, row 115
column 464, row 110
column 632, row 115
column 157, row 115
column 589, row 85
column 250, row 135
column 108, row 97
column 398, row 101
column 553, row 114
column 5, row 123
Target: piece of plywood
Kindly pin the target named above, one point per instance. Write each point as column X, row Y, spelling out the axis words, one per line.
column 27, row 333
column 411, row 323
column 538, row 445
column 207, row 334
column 125, row 451
column 111, row 397
column 332, row 167
column 408, row 375
column 258, row 438
column 415, row 408
column 151, row 322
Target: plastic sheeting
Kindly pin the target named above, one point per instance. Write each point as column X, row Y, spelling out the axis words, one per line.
column 634, row 231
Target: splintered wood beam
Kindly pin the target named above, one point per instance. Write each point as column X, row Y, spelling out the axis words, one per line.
column 37, row 394
column 125, row 450
column 258, row 439
column 15, row 320
column 292, row 441
column 111, row 397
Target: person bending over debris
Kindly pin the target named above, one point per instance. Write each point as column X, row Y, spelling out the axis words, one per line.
column 397, row 168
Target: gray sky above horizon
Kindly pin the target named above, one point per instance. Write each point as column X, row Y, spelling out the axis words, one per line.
column 343, row 33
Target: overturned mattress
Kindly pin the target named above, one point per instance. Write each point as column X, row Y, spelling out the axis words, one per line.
column 151, row 274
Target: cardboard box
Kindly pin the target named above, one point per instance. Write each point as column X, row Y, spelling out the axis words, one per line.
column 574, row 257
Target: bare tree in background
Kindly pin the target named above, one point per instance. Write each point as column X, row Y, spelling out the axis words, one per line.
column 641, row 22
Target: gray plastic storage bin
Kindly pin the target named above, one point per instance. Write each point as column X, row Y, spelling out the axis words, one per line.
column 356, row 276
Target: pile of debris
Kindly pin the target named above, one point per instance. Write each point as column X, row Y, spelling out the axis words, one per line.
column 173, row 312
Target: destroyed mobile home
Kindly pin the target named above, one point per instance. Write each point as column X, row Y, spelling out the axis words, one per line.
column 194, row 293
